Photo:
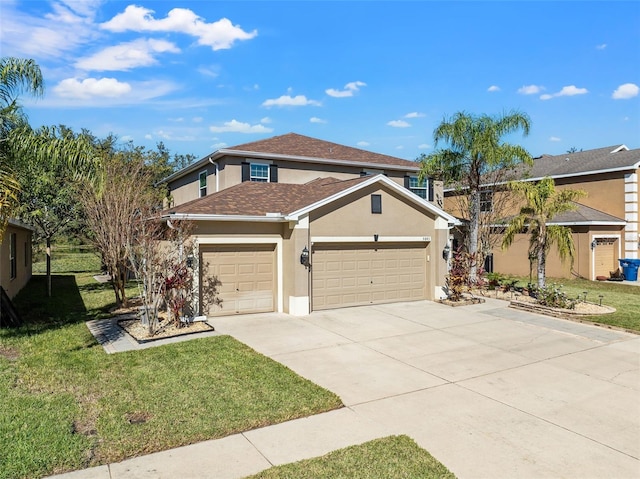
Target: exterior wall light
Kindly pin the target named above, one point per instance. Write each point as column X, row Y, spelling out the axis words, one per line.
column 594, row 243
column 304, row 257
column 446, row 251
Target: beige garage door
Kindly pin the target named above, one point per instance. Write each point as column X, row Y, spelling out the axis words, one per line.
column 605, row 256
column 246, row 276
column 352, row 275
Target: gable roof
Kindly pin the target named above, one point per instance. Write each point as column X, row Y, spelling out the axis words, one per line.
column 600, row 160
column 255, row 201
column 300, row 148
column 585, row 215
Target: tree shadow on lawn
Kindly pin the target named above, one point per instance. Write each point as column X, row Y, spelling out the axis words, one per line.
column 66, row 306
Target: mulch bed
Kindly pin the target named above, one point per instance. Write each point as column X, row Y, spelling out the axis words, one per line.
column 135, row 329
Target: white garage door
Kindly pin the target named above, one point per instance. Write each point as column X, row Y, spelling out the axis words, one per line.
column 605, row 256
column 353, row 275
column 246, row 276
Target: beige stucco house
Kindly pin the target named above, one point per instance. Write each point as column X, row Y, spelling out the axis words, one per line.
column 604, row 224
column 15, row 257
column 295, row 224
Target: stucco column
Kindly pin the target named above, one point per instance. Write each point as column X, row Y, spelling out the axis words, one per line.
column 297, row 285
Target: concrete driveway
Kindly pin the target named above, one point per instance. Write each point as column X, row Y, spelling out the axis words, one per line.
column 489, row 391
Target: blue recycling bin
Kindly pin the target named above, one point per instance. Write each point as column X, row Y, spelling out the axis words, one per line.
column 630, row 268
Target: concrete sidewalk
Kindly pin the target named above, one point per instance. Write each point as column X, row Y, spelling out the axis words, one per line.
column 489, row 391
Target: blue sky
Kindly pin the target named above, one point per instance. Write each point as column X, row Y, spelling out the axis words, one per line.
column 378, row 75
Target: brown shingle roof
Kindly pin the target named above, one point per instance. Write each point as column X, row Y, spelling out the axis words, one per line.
column 585, row 214
column 293, row 144
column 584, row 161
column 257, row 199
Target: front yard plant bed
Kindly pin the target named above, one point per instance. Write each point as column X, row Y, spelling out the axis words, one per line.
column 132, row 326
column 68, row 405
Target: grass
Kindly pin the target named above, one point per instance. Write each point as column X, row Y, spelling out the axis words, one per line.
column 624, row 298
column 67, row 405
column 396, row 456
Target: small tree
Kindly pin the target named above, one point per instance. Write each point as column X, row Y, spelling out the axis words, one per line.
column 542, row 202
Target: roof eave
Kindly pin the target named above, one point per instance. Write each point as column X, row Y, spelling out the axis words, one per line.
column 587, row 223
column 241, row 218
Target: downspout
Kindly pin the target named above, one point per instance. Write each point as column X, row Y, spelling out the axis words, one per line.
column 215, row 163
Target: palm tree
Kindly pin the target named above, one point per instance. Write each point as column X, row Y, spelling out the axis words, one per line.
column 17, row 76
column 542, row 202
column 475, row 152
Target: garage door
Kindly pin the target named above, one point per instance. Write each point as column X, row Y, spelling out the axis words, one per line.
column 605, row 259
column 246, row 276
column 353, row 275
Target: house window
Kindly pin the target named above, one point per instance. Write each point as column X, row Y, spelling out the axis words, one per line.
column 486, row 201
column 202, row 180
column 376, row 204
column 12, row 256
column 259, row 173
column 418, row 186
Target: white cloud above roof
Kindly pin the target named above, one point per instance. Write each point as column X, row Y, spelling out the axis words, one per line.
column 288, row 100
column 424, row 146
column 493, row 88
column 398, row 124
column 626, row 91
column 315, row 119
column 570, row 90
column 554, row 138
column 349, row 90
column 126, row 56
column 414, row 114
column 235, row 126
column 530, row 89
column 363, row 143
column 218, row 35
column 91, row 87
column 602, row 46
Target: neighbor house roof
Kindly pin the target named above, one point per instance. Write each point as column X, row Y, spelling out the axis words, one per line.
column 295, row 147
column 600, row 160
column 585, row 215
column 255, row 201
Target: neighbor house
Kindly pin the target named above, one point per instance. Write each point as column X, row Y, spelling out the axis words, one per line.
column 295, row 224
column 15, row 257
column 604, row 223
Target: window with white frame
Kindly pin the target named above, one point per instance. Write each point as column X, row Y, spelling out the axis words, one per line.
column 418, row 186
column 202, row 180
column 259, row 172
column 486, row 201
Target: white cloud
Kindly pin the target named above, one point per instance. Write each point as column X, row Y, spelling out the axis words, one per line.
column 424, row 146
column 138, row 53
column 626, row 91
column 554, row 138
column 315, row 119
column 177, row 120
column 266, row 120
column 170, row 135
column 148, row 136
column 399, row 147
column 602, row 46
column 493, row 88
column 197, row 119
column 217, row 146
column 91, row 87
column 218, row 35
column 363, row 143
column 398, row 124
column 235, row 126
column 68, row 26
column 211, row 71
column 288, row 100
column 414, row 114
column 530, row 89
column 349, row 89
column 570, row 90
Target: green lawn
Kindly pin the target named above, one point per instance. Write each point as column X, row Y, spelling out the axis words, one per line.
column 66, row 404
column 391, row 457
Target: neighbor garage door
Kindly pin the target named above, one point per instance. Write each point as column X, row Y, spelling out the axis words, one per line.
column 352, row 275
column 246, row 276
column 605, row 257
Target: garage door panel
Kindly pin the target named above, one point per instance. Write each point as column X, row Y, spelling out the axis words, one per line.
column 246, row 275
column 384, row 273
